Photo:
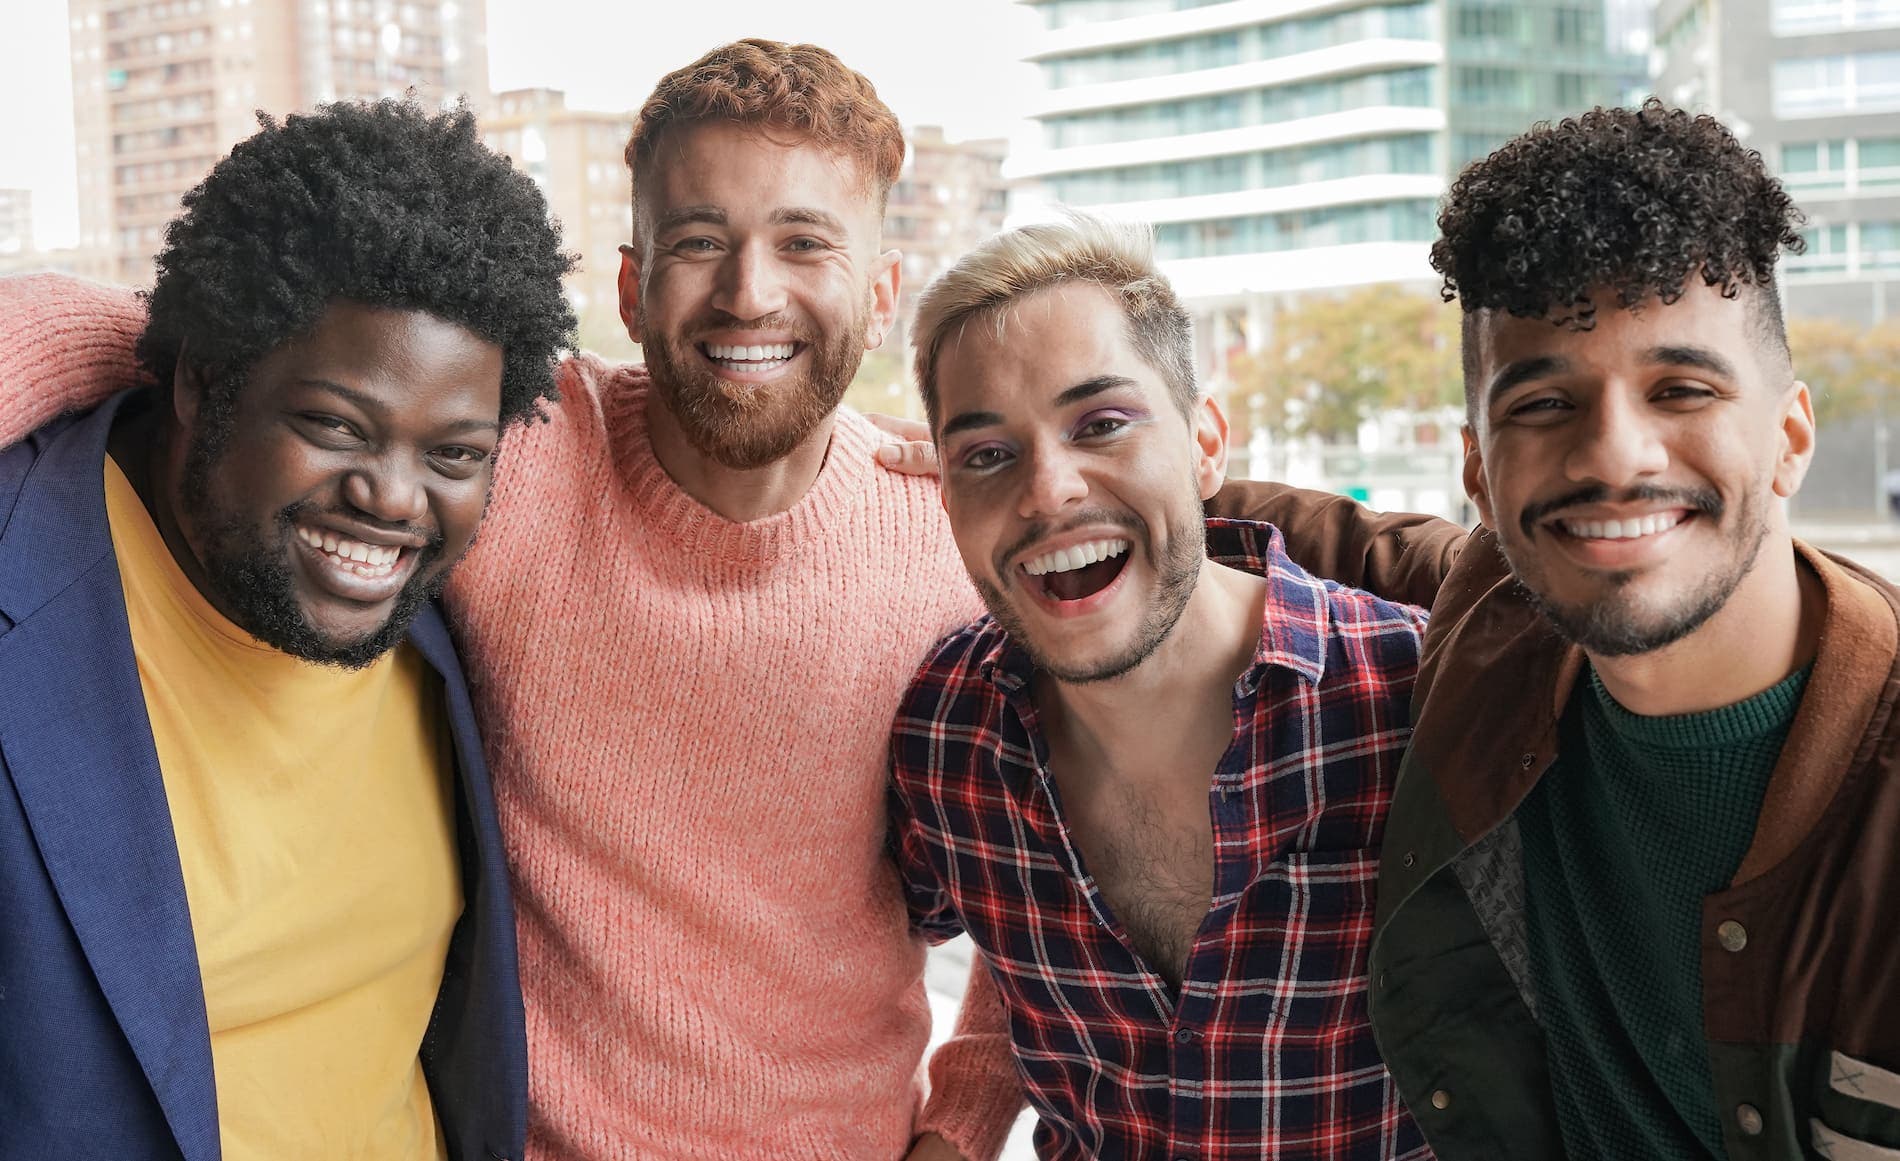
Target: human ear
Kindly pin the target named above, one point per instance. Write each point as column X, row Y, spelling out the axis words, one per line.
column 1475, row 486
column 1797, row 441
column 884, row 288
column 1210, row 443
column 629, row 286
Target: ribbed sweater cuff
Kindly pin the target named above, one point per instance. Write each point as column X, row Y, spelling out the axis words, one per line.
column 975, row 1090
column 973, row 1105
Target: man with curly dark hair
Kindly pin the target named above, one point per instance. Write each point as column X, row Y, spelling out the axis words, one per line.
column 256, row 902
column 1640, row 867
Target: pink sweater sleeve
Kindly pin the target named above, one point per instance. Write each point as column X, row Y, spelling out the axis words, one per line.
column 975, row 1091
column 64, row 344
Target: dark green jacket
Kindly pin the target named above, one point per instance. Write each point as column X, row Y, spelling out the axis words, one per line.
column 1800, row 954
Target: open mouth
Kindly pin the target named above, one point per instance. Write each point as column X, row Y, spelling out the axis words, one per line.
column 356, row 570
column 1633, row 528
column 753, row 358
column 1078, row 572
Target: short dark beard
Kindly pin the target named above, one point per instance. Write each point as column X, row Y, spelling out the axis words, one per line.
column 1177, row 572
column 253, row 579
column 1604, row 628
column 747, row 428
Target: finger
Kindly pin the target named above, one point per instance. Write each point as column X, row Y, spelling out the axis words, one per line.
column 909, row 459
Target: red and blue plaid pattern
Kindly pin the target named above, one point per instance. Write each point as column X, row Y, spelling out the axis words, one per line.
column 1267, row 1052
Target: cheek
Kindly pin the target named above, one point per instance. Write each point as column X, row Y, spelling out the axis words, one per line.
column 458, row 514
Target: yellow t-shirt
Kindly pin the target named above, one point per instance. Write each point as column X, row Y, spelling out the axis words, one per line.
column 312, row 807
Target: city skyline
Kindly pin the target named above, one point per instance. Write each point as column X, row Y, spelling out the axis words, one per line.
column 583, row 54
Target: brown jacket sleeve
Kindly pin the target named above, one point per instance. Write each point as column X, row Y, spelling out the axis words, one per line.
column 1401, row 556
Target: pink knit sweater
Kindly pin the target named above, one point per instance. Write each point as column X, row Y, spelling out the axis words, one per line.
column 687, row 721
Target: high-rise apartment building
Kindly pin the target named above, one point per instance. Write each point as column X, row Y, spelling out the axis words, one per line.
column 1288, row 146
column 951, row 195
column 16, row 221
column 577, row 158
column 163, row 88
column 1815, row 86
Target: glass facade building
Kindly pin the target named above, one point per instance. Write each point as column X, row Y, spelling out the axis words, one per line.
column 1282, row 147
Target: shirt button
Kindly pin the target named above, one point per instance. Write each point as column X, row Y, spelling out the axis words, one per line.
column 1748, row 1119
column 1527, row 761
column 1409, row 858
column 1184, row 1036
column 1441, row 1099
column 1734, row 937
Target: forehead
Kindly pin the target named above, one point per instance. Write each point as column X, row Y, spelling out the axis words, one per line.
column 1039, row 345
column 1621, row 338
column 749, row 170
column 405, row 358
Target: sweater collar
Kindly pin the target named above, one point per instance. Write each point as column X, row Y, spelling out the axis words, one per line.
column 843, row 482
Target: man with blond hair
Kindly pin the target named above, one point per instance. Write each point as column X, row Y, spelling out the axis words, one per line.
column 1152, row 783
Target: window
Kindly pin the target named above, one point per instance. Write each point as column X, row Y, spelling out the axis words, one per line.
column 1487, row 22
column 1406, row 221
column 1576, row 26
column 1858, row 82
column 1880, row 245
column 1826, row 252
column 1814, row 165
column 1880, row 161
column 1804, row 17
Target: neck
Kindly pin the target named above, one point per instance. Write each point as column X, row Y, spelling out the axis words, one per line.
column 1768, row 629
column 738, row 494
column 150, row 450
column 1186, row 683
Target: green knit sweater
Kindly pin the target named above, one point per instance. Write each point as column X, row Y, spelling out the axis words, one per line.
column 1639, row 818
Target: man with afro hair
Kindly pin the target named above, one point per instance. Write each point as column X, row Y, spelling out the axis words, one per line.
column 1642, row 862
column 256, row 905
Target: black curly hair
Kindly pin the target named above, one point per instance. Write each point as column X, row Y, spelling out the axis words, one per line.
column 1635, row 201
column 385, row 204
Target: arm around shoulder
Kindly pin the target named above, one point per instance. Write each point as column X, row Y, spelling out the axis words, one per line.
column 1400, row 556
column 65, row 344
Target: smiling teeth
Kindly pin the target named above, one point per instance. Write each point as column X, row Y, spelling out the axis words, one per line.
column 769, row 353
column 1621, row 529
column 377, row 556
column 1080, row 556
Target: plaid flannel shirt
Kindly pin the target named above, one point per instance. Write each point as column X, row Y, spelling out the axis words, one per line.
column 1268, row 1051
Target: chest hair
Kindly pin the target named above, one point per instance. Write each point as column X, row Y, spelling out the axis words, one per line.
column 1152, row 857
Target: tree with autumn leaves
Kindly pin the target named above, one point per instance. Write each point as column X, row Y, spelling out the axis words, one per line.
column 1851, row 371
column 1334, row 361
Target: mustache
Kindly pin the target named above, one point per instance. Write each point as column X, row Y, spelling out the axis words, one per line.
column 718, row 320
column 1043, row 529
column 1706, row 500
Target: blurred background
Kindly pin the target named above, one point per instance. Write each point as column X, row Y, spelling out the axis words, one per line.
column 1291, row 154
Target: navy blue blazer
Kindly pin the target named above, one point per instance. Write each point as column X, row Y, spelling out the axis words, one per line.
column 104, row 1049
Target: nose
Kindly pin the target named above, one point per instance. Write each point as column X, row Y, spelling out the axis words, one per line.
column 1619, row 443
column 750, row 283
column 388, row 490
column 1053, row 482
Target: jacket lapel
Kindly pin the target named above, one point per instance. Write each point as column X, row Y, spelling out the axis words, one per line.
column 78, row 745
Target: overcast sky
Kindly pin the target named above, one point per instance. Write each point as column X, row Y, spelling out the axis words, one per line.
column 954, row 64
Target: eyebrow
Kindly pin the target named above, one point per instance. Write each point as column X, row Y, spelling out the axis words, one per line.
column 1523, row 371
column 806, row 216
column 687, row 215
column 377, row 407
column 1688, row 356
column 971, row 420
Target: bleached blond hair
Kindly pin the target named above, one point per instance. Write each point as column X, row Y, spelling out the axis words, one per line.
column 1118, row 257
